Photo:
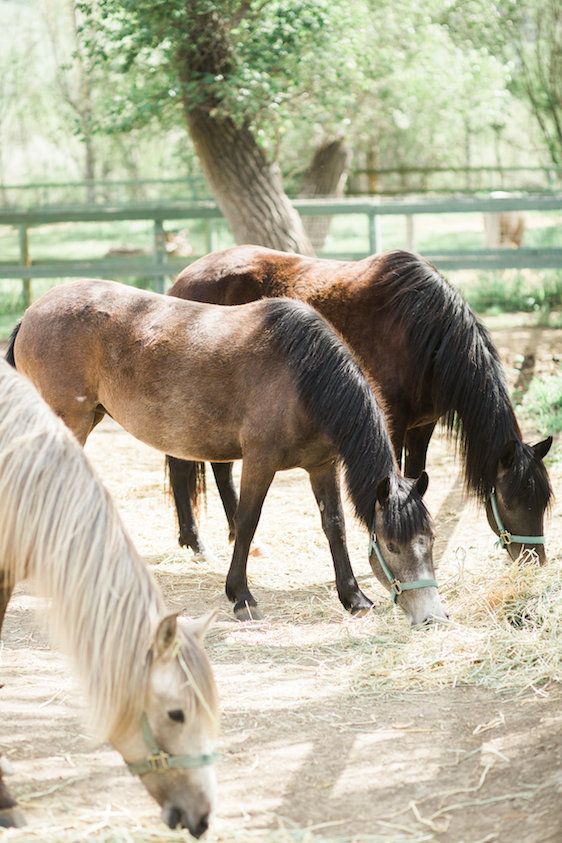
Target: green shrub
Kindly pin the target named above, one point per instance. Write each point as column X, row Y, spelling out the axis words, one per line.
column 543, row 403
column 510, row 293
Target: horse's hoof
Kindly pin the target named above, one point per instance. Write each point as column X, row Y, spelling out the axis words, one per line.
column 248, row 613
column 360, row 607
column 12, row 818
column 191, row 544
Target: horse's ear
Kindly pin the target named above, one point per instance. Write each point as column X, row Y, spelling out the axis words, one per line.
column 508, row 454
column 541, row 449
column 165, row 635
column 422, row 483
column 198, row 627
column 383, row 491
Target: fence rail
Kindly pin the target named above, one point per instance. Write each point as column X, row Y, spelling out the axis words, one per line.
column 384, row 181
column 399, row 181
column 102, row 191
column 159, row 265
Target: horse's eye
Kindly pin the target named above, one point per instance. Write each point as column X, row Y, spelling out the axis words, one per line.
column 392, row 547
column 177, row 715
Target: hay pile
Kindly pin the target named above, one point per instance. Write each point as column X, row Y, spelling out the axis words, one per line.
column 505, row 633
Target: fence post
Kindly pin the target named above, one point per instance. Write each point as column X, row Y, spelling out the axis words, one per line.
column 25, row 261
column 375, row 244
column 210, row 236
column 159, row 255
column 410, row 236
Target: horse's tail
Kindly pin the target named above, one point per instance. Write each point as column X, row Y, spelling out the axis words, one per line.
column 9, row 357
column 188, row 479
column 196, row 485
column 336, row 394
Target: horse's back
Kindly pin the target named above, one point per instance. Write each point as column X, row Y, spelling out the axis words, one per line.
column 164, row 368
column 243, row 274
column 227, row 277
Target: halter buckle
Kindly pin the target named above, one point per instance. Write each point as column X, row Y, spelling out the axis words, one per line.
column 158, row 763
column 505, row 538
column 396, row 587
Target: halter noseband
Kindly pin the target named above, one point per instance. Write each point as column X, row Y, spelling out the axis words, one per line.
column 396, row 587
column 158, row 761
column 506, row 538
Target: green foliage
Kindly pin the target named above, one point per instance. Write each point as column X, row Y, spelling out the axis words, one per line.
column 543, row 404
column 412, row 82
column 237, row 60
column 295, row 72
column 514, row 292
column 527, row 36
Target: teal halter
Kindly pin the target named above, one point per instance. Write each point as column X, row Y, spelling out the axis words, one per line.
column 506, row 538
column 396, row 587
column 159, row 761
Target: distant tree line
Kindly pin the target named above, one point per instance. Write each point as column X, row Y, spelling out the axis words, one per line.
column 266, row 95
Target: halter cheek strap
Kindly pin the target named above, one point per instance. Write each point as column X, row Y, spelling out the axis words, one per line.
column 396, row 587
column 506, row 538
column 159, row 761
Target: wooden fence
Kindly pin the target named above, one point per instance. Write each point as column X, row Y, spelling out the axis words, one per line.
column 159, row 266
column 399, row 181
column 382, row 181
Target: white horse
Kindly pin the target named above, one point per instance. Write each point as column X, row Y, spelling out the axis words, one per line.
column 148, row 680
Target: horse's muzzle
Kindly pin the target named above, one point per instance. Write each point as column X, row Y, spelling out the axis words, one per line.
column 174, row 816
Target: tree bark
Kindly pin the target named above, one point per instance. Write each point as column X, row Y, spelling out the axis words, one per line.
column 246, row 186
column 326, row 176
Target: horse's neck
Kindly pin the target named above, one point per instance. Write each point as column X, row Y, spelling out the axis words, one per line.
column 105, row 604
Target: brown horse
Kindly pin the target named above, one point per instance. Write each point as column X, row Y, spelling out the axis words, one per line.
column 427, row 353
column 269, row 383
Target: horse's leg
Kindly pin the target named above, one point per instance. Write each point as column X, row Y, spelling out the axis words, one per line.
column 325, row 485
column 256, row 480
column 416, row 444
column 397, row 435
column 180, row 477
column 227, row 491
column 6, row 588
column 80, row 421
column 10, row 817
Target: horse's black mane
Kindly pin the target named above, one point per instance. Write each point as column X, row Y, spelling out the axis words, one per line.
column 339, row 399
column 529, row 475
column 456, row 355
column 405, row 514
column 9, row 356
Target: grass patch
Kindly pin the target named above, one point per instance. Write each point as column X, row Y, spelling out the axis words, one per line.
column 512, row 292
column 542, row 405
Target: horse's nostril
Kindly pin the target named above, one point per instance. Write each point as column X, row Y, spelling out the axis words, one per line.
column 174, row 818
column 201, row 826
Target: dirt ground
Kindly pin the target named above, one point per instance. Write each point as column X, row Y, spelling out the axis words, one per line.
column 308, row 753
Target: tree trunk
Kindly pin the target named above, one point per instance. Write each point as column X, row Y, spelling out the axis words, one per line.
column 246, row 186
column 326, row 176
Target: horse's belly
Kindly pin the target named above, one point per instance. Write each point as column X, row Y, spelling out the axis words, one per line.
column 183, row 435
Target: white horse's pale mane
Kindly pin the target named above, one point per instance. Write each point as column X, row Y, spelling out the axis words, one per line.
column 59, row 526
